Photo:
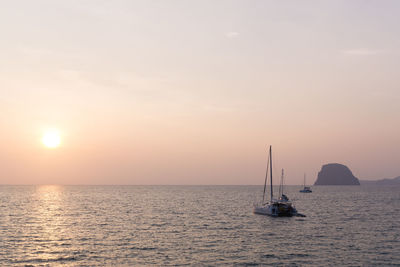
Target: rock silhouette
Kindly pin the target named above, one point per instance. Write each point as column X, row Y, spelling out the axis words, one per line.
column 336, row 174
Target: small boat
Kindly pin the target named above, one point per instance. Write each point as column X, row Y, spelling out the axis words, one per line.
column 275, row 207
column 306, row 189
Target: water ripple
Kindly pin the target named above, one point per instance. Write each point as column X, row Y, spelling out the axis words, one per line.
column 201, row 225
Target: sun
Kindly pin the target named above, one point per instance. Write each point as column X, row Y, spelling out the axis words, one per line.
column 51, row 138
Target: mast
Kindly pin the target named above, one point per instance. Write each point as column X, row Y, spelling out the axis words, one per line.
column 281, row 189
column 304, row 180
column 265, row 182
column 270, row 163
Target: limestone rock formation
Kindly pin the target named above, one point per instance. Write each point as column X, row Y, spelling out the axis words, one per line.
column 336, row 174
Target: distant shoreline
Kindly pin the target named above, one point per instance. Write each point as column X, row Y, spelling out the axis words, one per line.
column 299, row 185
column 386, row 181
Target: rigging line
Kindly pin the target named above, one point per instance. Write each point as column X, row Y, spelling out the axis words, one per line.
column 270, row 162
column 265, row 182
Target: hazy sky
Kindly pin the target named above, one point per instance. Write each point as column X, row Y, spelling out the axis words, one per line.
column 193, row 92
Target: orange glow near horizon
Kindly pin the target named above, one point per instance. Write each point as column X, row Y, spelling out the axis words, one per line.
column 127, row 92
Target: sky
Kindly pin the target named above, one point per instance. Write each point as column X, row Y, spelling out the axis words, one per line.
column 194, row 92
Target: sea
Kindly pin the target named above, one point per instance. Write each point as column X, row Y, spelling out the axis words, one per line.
column 51, row 225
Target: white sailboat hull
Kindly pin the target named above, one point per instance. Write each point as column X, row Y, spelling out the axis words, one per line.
column 305, row 191
column 276, row 209
column 266, row 210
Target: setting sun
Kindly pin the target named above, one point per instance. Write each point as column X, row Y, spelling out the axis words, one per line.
column 51, row 139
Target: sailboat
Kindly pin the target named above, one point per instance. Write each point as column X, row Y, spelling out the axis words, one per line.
column 306, row 189
column 274, row 207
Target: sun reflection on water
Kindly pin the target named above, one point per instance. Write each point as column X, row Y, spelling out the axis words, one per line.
column 51, row 228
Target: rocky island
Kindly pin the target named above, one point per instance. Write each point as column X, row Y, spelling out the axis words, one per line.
column 336, row 174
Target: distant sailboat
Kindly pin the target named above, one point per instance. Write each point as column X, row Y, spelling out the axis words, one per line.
column 275, row 207
column 282, row 196
column 306, row 189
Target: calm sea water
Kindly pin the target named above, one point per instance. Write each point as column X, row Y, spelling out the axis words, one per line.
column 199, row 225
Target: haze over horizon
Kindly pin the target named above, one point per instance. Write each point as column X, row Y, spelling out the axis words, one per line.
column 194, row 92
